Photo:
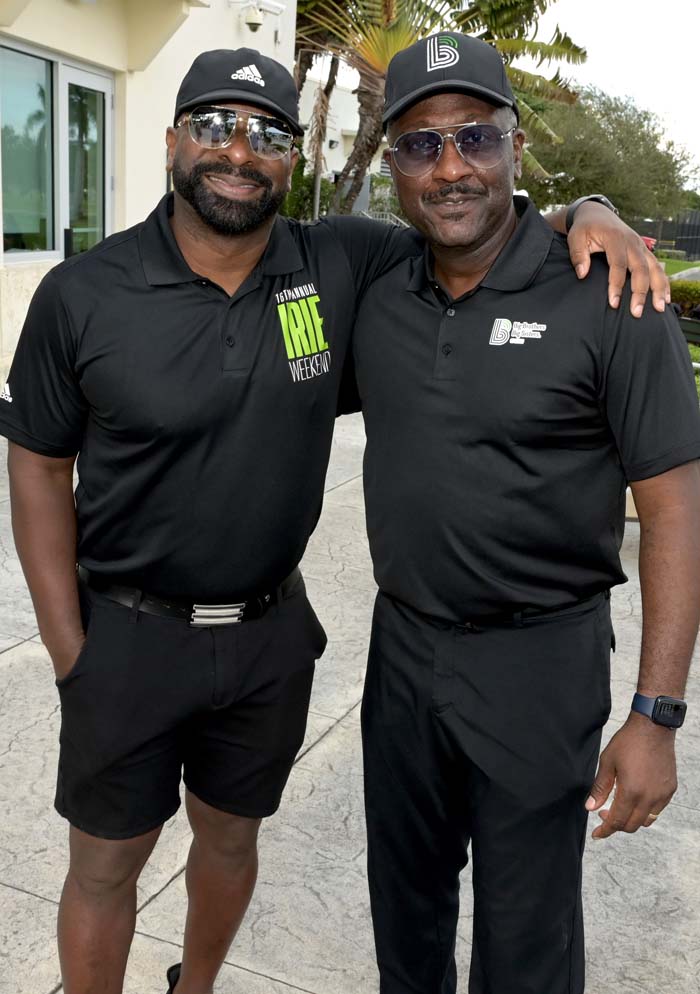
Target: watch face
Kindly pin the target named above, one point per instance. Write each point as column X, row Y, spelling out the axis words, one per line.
column 669, row 712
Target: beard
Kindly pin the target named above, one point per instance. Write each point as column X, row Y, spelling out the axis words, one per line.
column 222, row 215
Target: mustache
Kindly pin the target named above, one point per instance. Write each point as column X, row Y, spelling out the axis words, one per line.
column 449, row 190
column 242, row 172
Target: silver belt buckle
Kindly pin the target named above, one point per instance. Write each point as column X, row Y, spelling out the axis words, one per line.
column 204, row 615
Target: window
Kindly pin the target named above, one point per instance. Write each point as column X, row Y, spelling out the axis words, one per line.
column 26, row 143
column 56, row 155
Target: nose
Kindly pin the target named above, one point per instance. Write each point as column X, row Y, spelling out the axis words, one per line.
column 451, row 167
column 239, row 150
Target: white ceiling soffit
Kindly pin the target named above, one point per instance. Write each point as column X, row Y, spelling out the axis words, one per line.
column 10, row 11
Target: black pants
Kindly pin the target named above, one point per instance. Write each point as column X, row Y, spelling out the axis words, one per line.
column 489, row 738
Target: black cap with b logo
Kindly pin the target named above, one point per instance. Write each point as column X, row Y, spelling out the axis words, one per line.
column 446, row 63
column 240, row 74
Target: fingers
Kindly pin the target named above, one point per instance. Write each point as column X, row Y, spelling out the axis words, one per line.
column 638, row 259
column 616, row 277
column 615, row 818
column 627, row 814
column 603, row 784
column 625, row 252
column 579, row 252
column 660, row 286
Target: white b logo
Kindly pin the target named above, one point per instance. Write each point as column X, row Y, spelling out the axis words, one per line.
column 500, row 333
column 443, row 51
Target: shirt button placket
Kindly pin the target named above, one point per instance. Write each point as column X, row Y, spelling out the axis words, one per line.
column 444, row 364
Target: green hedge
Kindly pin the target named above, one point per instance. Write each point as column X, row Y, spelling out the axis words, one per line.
column 671, row 254
column 695, row 357
column 686, row 293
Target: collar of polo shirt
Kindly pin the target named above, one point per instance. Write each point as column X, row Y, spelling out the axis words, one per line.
column 163, row 264
column 517, row 265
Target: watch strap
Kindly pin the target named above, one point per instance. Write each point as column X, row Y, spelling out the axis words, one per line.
column 662, row 710
column 643, row 704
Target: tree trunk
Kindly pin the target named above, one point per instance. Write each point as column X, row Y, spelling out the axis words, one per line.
column 370, row 98
column 322, row 126
column 305, row 58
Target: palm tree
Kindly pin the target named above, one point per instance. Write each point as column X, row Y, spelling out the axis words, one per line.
column 366, row 34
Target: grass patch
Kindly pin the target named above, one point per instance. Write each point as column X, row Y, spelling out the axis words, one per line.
column 695, row 357
column 674, row 266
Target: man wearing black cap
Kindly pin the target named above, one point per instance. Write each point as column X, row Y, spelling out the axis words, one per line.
column 505, row 410
column 194, row 364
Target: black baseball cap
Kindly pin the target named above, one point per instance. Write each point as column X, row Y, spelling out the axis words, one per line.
column 240, row 74
column 445, row 63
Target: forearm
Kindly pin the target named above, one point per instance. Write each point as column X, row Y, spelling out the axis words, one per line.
column 557, row 220
column 669, row 571
column 44, row 528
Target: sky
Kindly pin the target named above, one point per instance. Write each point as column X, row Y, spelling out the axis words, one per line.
column 636, row 48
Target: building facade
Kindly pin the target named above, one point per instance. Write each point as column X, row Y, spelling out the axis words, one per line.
column 87, row 89
column 343, row 122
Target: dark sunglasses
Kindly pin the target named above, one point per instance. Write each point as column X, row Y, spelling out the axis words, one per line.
column 481, row 145
column 215, row 127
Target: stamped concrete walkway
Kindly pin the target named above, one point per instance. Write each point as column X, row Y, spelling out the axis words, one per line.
column 308, row 927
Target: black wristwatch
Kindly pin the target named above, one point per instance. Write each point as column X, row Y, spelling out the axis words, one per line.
column 599, row 198
column 667, row 711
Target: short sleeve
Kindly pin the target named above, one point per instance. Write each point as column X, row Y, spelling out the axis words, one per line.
column 373, row 248
column 349, row 395
column 42, row 406
column 648, row 390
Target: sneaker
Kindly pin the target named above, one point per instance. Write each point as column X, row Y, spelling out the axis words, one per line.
column 173, row 976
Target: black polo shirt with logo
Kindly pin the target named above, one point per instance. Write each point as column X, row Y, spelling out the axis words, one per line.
column 203, row 422
column 502, row 428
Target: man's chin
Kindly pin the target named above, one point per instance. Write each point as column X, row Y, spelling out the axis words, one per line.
column 236, row 217
column 452, row 234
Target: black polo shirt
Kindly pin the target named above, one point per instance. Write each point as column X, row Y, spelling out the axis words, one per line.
column 502, row 428
column 203, row 422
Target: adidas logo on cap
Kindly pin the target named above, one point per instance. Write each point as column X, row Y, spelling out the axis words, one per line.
column 250, row 73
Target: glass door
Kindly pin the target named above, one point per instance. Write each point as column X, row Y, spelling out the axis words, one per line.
column 85, row 130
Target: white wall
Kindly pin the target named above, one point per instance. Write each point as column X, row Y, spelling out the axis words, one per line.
column 343, row 118
column 148, row 45
column 146, row 99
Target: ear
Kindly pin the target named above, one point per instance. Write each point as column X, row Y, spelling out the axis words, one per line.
column 518, row 145
column 171, row 136
column 293, row 162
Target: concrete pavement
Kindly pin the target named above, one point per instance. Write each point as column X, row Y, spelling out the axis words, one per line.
column 308, row 926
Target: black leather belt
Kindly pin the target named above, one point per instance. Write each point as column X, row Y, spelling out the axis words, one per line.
column 198, row 615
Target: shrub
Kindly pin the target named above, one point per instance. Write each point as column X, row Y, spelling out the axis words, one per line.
column 686, row 293
column 383, row 197
column 299, row 202
column 695, row 357
column 672, row 254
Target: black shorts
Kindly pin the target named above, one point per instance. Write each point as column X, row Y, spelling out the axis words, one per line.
column 150, row 698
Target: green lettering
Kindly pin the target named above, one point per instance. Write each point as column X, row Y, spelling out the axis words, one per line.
column 282, row 311
column 308, row 321
column 297, row 329
column 317, row 321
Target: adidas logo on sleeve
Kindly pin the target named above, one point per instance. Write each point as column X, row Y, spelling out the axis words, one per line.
column 250, row 73
column 6, row 395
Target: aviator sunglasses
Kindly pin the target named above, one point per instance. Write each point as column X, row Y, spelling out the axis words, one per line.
column 481, row 145
column 215, row 127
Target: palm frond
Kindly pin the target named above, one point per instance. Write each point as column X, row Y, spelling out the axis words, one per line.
column 531, row 166
column 555, row 89
column 535, row 125
column 563, row 50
